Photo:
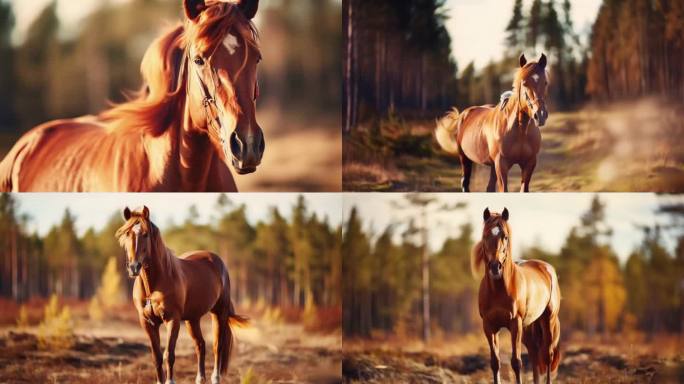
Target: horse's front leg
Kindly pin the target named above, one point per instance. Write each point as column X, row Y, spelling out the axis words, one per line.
column 493, row 340
column 527, row 170
column 155, row 346
column 502, row 168
column 516, row 342
column 172, row 327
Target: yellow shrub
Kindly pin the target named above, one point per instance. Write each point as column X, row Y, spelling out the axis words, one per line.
column 22, row 320
column 56, row 331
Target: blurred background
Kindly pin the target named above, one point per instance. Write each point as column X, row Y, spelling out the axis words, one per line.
column 64, row 290
column 63, row 59
column 615, row 96
column 620, row 264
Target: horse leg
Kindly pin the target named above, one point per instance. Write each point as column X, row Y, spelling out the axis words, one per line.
column 546, row 349
column 534, row 361
column 501, row 173
column 467, row 166
column 219, row 322
column 491, row 186
column 493, row 340
column 155, row 346
column 516, row 330
column 172, row 327
column 195, row 332
column 527, row 171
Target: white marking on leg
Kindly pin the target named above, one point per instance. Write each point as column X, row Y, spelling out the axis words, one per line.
column 231, row 43
column 215, row 378
column 199, row 379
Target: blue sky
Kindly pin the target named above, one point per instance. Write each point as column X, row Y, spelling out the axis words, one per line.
column 477, row 27
column 94, row 209
column 537, row 219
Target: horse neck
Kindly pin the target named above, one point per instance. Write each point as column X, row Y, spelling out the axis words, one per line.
column 158, row 271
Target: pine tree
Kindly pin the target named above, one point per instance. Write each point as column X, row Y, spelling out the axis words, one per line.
column 515, row 37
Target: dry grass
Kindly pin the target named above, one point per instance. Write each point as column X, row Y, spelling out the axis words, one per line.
column 269, row 350
column 610, row 359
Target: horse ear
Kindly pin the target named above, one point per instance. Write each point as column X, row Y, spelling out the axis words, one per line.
column 522, row 60
column 542, row 61
column 146, row 213
column 126, row 213
column 193, row 8
column 486, row 215
column 504, row 214
column 249, row 8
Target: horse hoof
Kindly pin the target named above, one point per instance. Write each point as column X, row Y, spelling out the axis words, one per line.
column 199, row 379
column 215, row 378
column 170, row 382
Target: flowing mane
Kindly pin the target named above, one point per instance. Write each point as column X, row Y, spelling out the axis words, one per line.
column 167, row 260
column 153, row 109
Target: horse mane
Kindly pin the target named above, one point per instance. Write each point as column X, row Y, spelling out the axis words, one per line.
column 153, row 109
column 167, row 260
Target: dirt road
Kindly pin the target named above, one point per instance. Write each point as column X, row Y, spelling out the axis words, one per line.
column 634, row 146
column 118, row 352
column 581, row 363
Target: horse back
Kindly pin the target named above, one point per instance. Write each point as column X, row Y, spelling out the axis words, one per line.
column 50, row 156
column 478, row 128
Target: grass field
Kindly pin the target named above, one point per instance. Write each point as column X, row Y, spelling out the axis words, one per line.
column 116, row 350
column 635, row 146
column 466, row 360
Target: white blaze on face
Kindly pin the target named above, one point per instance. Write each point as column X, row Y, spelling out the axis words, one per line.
column 231, row 43
column 535, row 77
column 495, row 231
column 137, row 228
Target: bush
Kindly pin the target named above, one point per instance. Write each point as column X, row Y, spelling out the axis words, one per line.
column 22, row 320
column 56, row 331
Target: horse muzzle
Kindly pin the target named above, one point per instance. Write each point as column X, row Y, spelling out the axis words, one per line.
column 134, row 269
column 247, row 151
column 540, row 116
column 495, row 269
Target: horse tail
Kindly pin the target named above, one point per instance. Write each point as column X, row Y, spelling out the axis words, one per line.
column 477, row 259
column 233, row 320
column 444, row 133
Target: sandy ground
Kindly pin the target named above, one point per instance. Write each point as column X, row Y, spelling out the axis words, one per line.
column 612, row 361
column 118, row 352
column 635, row 146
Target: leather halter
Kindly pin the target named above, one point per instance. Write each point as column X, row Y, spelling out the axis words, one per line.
column 211, row 107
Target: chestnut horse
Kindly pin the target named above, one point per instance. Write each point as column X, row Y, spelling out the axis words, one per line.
column 522, row 296
column 195, row 109
column 503, row 135
column 171, row 289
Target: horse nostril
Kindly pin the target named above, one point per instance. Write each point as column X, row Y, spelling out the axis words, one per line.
column 536, row 116
column 236, row 145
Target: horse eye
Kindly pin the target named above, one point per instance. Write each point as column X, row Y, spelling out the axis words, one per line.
column 199, row 61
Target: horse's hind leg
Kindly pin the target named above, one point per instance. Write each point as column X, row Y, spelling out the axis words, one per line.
column 527, row 170
column 467, row 166
column 547, row 349
column 222, row 344
column 195, row 332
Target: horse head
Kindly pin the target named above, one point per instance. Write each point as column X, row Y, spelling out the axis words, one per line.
column 495, row 242
column 136, row 237
column 532, row 85
column 222, row 54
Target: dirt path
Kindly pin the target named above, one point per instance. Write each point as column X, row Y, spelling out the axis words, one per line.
column 275, row 353
column 580, row 364
column 635, row 146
